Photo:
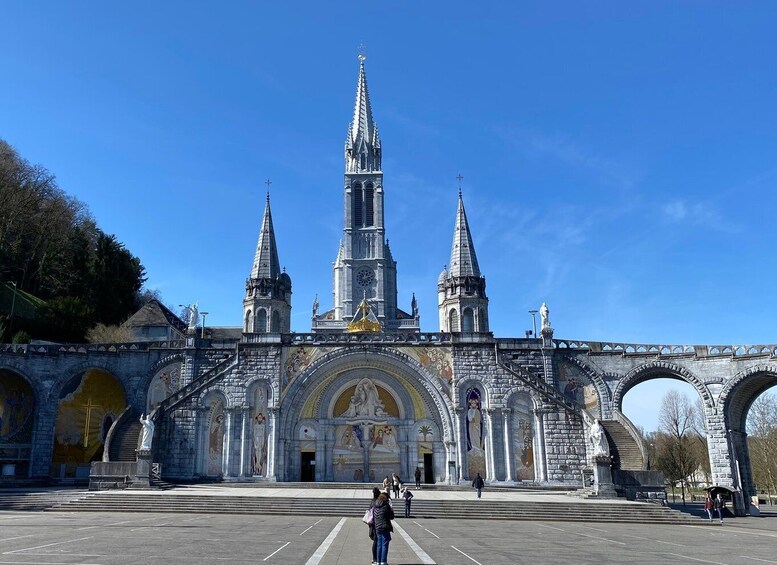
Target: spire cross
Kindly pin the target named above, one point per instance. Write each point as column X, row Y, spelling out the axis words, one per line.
column 268, row 182
column 362, row 52
column 460, row 179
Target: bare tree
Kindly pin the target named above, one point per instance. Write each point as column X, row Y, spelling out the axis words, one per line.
column 678, row 453
column 762, row 442
column 102, row 333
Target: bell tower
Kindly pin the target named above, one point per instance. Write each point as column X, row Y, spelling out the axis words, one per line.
column 267, row 304
column 461, row 289
column 364, row 268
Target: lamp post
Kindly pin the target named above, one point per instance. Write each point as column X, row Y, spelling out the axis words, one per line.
column 534, row 321
column 203, row 314
column 13, row 307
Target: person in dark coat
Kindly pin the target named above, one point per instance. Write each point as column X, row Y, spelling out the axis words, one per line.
column 373, row 537
column 478, row 484
column 417, row 477
column 407, row 495
column 383, row 514
column 719, row 506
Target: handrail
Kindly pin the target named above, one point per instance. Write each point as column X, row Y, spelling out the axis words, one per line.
column 125, row 414
column 189, row 390
column 631, row 428
column 539, row 385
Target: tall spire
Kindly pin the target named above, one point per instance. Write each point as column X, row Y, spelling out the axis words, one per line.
column 362, row 147
column 266, row 263
column 464, row 262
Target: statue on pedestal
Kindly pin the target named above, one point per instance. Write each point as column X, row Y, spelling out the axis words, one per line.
column 194, row 316
column 544, row 313
column 147, row 433
column 599, row 440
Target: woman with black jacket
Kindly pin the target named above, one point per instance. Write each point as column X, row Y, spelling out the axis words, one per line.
column 373, row 537
column 383, row 514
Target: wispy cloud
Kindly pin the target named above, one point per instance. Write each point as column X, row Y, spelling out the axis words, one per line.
column 703, row 214
column 614, row 172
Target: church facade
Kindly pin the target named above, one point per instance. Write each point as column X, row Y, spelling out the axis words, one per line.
column 365, row 393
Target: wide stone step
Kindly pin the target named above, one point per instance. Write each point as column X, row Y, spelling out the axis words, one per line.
column 476, row 509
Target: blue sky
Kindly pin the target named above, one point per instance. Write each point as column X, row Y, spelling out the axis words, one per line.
column 618, row 158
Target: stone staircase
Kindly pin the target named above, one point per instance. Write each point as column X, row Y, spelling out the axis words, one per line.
column 525, row 373
column 125, row 440
column 624, row 449
column 33, row 500
column 224, row 362
column 484, row 509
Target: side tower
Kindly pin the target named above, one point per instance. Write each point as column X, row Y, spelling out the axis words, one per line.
column 364, row 269
column 461, row 289
column 267, row 305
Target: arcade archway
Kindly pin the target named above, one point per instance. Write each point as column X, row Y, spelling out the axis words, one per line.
column 88, row 404
column 17, row 408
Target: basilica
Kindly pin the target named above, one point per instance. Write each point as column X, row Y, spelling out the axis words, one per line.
column 364, row 393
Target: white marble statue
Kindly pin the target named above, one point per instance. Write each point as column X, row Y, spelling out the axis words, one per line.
column 194, row 316
column 599, row 440
column 544, row 316
column 147, row 433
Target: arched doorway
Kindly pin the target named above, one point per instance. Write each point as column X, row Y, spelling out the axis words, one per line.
column 356, row 417
column 88, row 404
column 17, row 407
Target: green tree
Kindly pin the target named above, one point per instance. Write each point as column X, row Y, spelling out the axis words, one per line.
column 115, row 282
column 52, row 249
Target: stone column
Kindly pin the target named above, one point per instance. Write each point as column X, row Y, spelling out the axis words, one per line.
column 329, row 459
column 741, row 498
column 272, row 444
column 200, row 442
column 540, row 461
column 366, row 450
column 508, row 432
column 461, row 445
column 245, row 470
column 226, row 455
column 490, row 459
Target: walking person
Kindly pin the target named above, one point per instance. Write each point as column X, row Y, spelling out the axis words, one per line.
column 396, row 483
column 387, row 486
column 708, row 506
column 417, row 477
column 383, row 514
column 408, row 496
column 373, row 537
column 719, row 505
column 478, row 484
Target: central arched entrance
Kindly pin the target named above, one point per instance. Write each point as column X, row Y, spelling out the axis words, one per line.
column 356, row 417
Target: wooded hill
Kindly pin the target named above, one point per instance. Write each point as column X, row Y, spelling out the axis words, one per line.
column 69, row 274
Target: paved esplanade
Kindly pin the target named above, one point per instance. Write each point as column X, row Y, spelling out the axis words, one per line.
column 113, row 538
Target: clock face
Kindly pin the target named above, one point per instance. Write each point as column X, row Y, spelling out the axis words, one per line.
column 365, row 276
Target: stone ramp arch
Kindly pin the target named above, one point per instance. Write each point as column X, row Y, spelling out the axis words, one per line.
column 658, row 370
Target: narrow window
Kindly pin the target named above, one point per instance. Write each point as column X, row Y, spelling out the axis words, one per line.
column 357, row 206
column 248, row 327
column 468, row 321
column 276, row 322
column 454, row 321
column 369, row 206
column 260, row 326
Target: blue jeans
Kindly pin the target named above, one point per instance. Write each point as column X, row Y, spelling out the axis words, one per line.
column 383, row 544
